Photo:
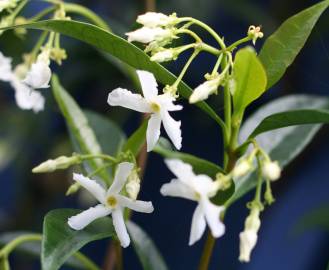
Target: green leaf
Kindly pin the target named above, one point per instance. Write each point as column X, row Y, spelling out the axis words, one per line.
column 283, row 144
column 200, row 166
column 109, row 135
column 250, row 79
column 60, row 241
column 145, row 248
column 84, row 137
column 119, row 48
column 291, row 118
column 33, row 249
column 136, row 141
column 282, row 47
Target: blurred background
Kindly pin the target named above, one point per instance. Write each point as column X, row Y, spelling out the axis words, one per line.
column 286, row 242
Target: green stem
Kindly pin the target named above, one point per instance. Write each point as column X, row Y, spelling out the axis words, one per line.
column 42, row 14
column 101, row 156
column 38, row 45
column 259, row 181
column 191, row 33
column 18, row 9
column 239, row 42
column 207, row 251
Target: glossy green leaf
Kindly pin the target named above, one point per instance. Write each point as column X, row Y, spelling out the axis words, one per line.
column 291, row 118
column 282, row 47
column 145, row 248
column 136, row 141
column 33, row 249
column 282, row 144
column 83, row 136
column 60, row 241
column 119, row 48
column 250, row 78
column 200, row 166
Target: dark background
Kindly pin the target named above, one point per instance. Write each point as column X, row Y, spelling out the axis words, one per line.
column 27, row 139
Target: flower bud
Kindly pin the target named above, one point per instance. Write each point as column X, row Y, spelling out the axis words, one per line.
column 20, row 20
column 147, row 35
column 153, row 19
column 73, row 189
column 242, row 168
column 205, row 89
column 58, row 55
column 255, row 33
column 271, row 170
column 164, row 56
column 57, row 164
column 5, row 4
column 133, row 184
column 6, row 73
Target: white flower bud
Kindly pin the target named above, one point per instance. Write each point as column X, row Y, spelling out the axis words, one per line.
column 57, row 164
column 6, row 73
column 255, row 33
column 147, row 35
column 271, row 170
column 164, row 56
column 205, row 89
column 133, row 185
column 248, row 240
column 4, row 4
column 153, row 19
column 242, row 168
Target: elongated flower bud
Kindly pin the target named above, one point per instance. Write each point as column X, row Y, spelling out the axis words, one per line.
column 147, row 35
column 59, row 163
column 154, row 19
column 204, row 90
column 133, row 184
column 164, row 56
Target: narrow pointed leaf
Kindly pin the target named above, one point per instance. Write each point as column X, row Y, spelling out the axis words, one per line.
column 282, row 47
column 60, row 241
column 250, row 79
column 119, row 48
column 284, row 144
column 83, row 135
column 291, row 118
column 145, row 248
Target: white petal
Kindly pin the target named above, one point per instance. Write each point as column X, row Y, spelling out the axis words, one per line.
column 120, row 227
column 153, row 19
column 167, row 103
column 212, row 213
column 147, row 34
column 136, row 205
column 80, row 221
column 182, row 170
column 124, row 98
column 6, row 73
column 39, row 75
column 26, row 97
column 172, row 128
column 178, row 189
column 198, row 225
column 121, row 175
column 204, row 185
column 148, row 83
column 92, row 186
column 153, row 131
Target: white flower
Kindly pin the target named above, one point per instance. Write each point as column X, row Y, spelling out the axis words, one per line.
column 242, row 168
column 40, row 74
column 153, row 19
column 6, row 73
column 163, row 56
column 26, row 97
column 147, row 35
column 248, row 240
column 4, row 4
column 197, row 188
column 158, row 106
column 205, row 89
column 271, row 170
column 111, row 202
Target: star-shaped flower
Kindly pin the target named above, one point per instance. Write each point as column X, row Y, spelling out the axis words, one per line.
column 197, row 188
column 158, row 106
column 111, row 202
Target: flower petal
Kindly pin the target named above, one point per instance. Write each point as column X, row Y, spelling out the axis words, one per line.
column 124, row 98
column 172, row 128
column 92, row 186
column 38, row 76
column 153, row 131
column 26, row 97
column 198, row 225
column 121, row 175
column 120, row 227
column 212, row 213
column 6, row 73
column 178, row 189
column 182, row 170
column 136, row 205
column 148, row 83
column 80, row 221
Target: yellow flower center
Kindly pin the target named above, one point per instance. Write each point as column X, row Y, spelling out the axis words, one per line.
column 197, row 195
column 155, row 107
column 112, row 201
